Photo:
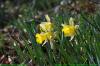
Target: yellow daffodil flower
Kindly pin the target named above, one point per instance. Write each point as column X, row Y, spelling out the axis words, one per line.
column 46, row 26
column 69, row 30
column 40, row 38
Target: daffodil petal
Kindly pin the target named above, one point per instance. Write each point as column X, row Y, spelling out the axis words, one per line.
column 71, row 21
column 76, row 26
column 72, row 37
column 47, row 18
column 44, row 43
column 62, row 25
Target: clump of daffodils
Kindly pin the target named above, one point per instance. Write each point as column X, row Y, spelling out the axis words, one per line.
column 70, row 29
column 46, row 29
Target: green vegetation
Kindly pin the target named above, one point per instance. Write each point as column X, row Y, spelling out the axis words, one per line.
column 83, row 48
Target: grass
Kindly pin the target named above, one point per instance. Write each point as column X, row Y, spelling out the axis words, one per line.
column 83, row 49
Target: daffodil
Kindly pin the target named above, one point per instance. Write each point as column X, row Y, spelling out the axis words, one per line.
column 69, row 30
column 43, row 37
column 46, row 26
column 40, row 38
